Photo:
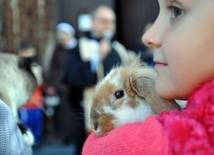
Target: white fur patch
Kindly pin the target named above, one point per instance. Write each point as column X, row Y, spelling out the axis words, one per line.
column 28, row 138
column 126, row 114
column 115, row 80
column 108, row 110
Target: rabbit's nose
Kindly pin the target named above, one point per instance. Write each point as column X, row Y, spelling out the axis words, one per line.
column 95, row 126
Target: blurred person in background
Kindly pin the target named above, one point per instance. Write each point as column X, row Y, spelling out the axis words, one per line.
column 56, row 93
column 101, row 47
column 31, row 113
column 87, row 63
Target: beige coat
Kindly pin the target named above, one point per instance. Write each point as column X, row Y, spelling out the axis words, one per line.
column 86, row 51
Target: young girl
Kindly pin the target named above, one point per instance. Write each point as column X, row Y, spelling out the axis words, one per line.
column 183, row 41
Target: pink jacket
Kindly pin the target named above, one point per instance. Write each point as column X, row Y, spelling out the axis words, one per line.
column 188, row 132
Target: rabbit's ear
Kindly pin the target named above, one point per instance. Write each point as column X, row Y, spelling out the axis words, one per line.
column 145, row 87
column 137, row 86
column 130, row 87
column 141, row 82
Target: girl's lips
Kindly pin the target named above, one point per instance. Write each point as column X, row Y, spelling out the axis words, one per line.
column 159, row 65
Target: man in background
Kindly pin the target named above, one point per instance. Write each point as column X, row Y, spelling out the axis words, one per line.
column 87, row 63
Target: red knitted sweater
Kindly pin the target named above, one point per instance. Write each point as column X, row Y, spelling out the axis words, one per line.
column 186, row 132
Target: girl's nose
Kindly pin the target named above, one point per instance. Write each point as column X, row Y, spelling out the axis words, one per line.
column 151, row 37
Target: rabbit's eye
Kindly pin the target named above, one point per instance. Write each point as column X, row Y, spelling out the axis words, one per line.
column 118, row 94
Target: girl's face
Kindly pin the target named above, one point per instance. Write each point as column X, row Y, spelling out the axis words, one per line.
column 183, row 40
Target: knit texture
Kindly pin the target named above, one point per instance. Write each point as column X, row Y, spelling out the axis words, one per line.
column 132, row 139
column 186, row 132
column 191, row 131
column 11, row 141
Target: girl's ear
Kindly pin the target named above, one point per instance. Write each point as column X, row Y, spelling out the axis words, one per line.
column 144, row 87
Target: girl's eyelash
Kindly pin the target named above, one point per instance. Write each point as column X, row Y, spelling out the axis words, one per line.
column 175, row 11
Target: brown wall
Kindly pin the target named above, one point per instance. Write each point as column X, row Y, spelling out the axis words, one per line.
column 22, row 20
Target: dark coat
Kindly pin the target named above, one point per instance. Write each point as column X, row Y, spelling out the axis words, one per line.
column 78, row 74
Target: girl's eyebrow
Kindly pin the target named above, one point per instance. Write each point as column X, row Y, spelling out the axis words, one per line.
column 169, row 1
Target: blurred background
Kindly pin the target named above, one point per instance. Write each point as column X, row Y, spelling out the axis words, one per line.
column 35, row 21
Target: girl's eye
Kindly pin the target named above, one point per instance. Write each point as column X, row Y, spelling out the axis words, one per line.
column 119, row 94
column 175, row 11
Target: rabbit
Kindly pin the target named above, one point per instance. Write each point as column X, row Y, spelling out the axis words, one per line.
column 126, row 95
column 17, row 83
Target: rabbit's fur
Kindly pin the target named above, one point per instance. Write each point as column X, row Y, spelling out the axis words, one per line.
column 17, row 84
column 124, row 96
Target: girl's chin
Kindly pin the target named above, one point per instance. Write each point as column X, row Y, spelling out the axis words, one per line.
column 163, row 90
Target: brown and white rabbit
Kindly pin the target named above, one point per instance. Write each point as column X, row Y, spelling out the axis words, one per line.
column 17, row 83
column 126, row 95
